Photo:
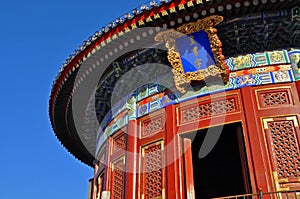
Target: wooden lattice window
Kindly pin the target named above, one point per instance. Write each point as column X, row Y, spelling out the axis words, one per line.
column 283, row 144
column 102, row 155
column 120, row 142
column 118, row 177
column 152, row 126
column 152, row 171
column 209, row 108
column 277, row 97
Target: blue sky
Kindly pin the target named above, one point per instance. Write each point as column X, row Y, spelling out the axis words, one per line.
column 35, row 39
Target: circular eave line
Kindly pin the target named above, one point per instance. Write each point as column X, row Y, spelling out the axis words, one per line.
column 79, row 58
column 128, row 24
column 116, row 30
column 121, row 27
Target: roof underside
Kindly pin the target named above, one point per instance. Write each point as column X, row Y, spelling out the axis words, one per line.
column 244, row 30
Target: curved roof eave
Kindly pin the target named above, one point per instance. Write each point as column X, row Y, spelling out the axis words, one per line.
column 62, row 87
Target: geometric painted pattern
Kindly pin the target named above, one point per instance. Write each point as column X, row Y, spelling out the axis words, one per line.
column 295, row 61
column 247, row 70
column 257, row 60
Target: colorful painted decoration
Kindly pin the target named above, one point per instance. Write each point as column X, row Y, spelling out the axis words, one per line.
column 257, row 60
column 195, row 52
column 295, row 61
column 248, row 70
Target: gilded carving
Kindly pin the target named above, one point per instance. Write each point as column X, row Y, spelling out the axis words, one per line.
column 183, row 79
column 295, row 61
column 242, row 61
column 295, row 58
column 276, row 57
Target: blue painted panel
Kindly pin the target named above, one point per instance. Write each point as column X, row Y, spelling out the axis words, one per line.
column 195, row 51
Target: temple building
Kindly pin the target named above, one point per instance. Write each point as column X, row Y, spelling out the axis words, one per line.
column 186, row 99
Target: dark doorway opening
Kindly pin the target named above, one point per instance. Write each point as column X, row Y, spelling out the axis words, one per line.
column 223, row 171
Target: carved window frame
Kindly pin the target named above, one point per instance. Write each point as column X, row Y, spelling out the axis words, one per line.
column 169, row 37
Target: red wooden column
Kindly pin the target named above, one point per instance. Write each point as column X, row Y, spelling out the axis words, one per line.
column 152, row 144
column 131, row 161
column 174, row 188
column 259, row 156
column 298, row 87
column 189, row 176
column 106, row 186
